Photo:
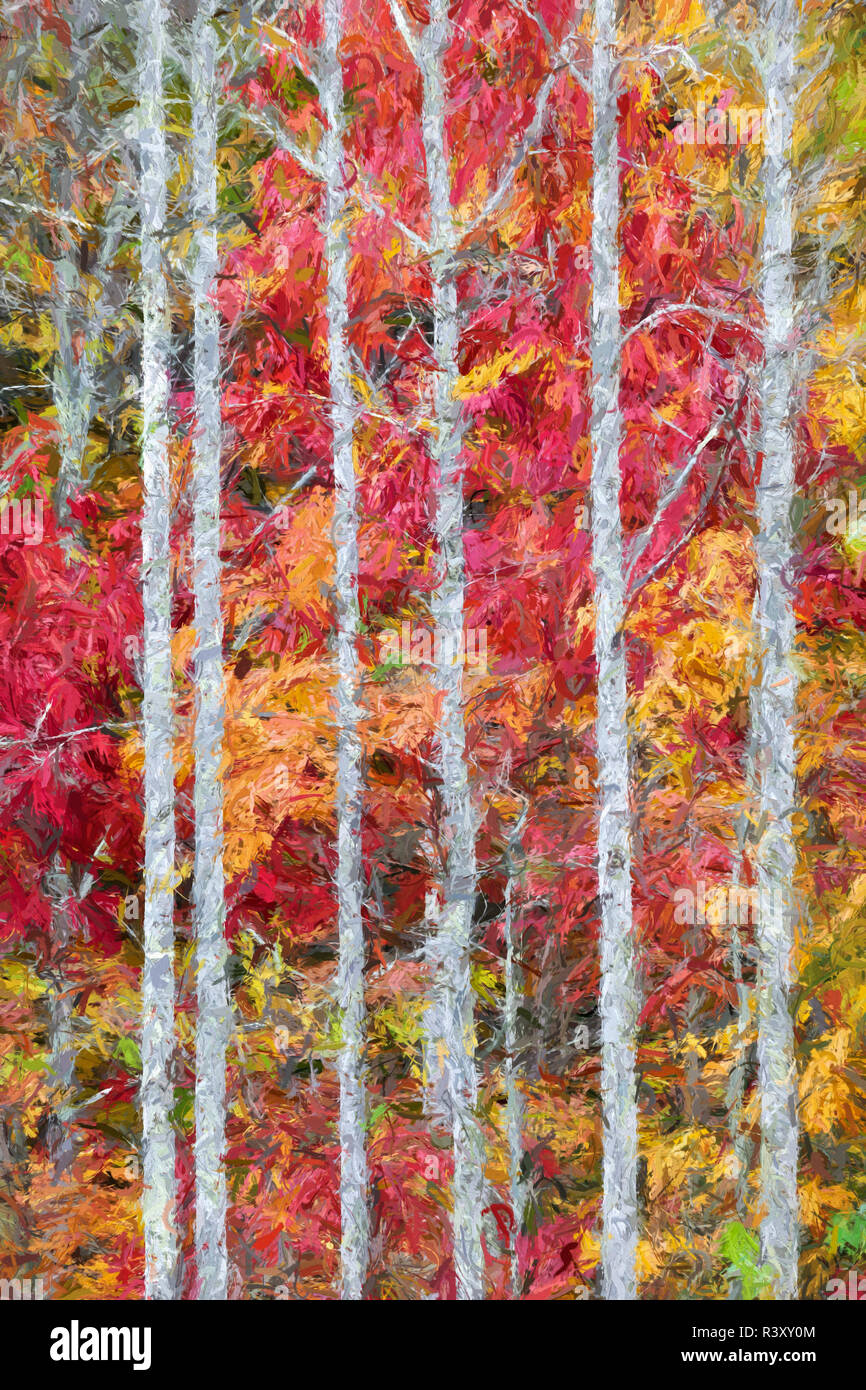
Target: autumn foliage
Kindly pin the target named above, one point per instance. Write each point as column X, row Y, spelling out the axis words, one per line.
column 70, row 660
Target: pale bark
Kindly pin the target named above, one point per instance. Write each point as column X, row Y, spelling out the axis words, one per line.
column 741, row 1143
column 355, row 1219
column 214, row 1009
column 457, row 827
column 514, row 1106
column 774, row 702
column 618, row 1003
column 72, row 389
column 73, row 385
column 75, row 378
column 159, row 1194
column 61, row 1145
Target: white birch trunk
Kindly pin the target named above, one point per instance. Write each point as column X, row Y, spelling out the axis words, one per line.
column 741, row 1144
column 618, row 1003
column 73, row 386
column 214, row 1018
column 457, row 829
column 157, row 985
column 72, row 391
column 61, row 1143
column 355, row 1219
column 774, row 704
column 514, row 1107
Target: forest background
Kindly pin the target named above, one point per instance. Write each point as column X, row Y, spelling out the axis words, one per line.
column 377, row 383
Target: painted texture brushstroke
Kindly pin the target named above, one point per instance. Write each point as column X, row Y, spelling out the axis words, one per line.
column 213, row 1022
column 515, row 1110
column 159, row 1194
column 454, row 917
column 618, row 1001
column 601, row 468
column 354, row 1213
column 73, row 384
column 774, row 706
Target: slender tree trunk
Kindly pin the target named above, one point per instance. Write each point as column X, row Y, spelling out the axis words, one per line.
column 618, row 1004
column 457, row 826
column 159, row 1195
column 774, row 707
column 214, row 1010
column 741, row 1143
column 355, row 1217
column 73, row 387
column 514, row 1107
column 72, row 391
column 61, row 1144
column 436, row 1105
column 544, row 1005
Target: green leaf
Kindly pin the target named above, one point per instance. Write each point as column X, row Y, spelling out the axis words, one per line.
column 375, row 1115
column 182, row 1113
column 848, row 1233
column 743, row 1251
column 127, row 1051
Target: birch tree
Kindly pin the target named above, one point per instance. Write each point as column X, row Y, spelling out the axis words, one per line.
column 75, row 385
column 157, row 986
column 73, row 393
column 742, row 951
column 72, row 387
column 454, row 914
column 774, row 698
column 618, row 1003
column 60, row 1137
column 213, row 1020
column 329, row 167
column 514, row 1105
column 355, row 1228
column 450, row 1060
